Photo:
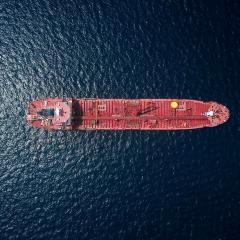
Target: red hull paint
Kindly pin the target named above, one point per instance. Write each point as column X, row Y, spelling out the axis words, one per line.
column 123, row 114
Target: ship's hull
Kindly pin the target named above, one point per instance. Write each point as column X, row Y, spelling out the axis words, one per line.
column 125, row 114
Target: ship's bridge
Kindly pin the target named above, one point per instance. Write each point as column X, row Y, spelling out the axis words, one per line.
column 62, row 113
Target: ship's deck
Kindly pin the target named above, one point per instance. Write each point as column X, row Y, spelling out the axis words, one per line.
column 138, row 114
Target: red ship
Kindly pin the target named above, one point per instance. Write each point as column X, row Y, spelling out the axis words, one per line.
column 122, row 114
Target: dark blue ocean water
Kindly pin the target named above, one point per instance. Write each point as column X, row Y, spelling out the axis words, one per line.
column 119, row 185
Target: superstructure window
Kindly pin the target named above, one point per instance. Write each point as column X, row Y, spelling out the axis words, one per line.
column 46, row 113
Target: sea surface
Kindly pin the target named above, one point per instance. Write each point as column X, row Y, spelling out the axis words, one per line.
column 167, row 185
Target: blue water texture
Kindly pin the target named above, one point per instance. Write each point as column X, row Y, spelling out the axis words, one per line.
column 100, row 185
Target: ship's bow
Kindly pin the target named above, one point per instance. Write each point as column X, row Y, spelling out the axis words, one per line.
column 217, row 114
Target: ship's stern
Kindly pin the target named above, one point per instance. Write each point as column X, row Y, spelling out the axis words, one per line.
column 50, row 113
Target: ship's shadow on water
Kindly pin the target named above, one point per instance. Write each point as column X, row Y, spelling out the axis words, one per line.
column 171, row 185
